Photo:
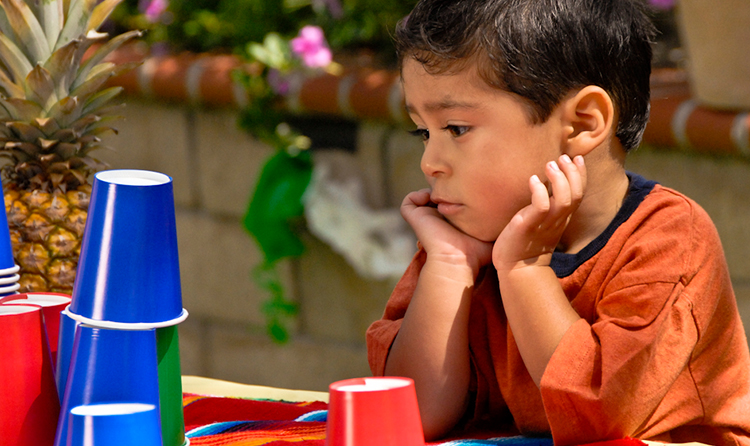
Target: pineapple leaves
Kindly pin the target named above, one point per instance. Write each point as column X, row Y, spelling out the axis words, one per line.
column 27, row 28
column 101, row 53
column 14, row 59
column 21, row 109
column 24, row 131
column 100, row 13
column 62, row 66
column 40, row 87
column 76, row 24
column 10, row 88
column 52, row 17
column 100, row 99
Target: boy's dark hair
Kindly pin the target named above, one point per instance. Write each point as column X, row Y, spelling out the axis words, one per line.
column 541, row 50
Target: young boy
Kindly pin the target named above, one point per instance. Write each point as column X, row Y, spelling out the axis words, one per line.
column 552, row 289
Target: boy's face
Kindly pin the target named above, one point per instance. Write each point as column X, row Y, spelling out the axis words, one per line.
column 480, row 147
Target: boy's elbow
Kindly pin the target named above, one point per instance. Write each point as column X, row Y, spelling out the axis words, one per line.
column 438, row 421
column 435, row 430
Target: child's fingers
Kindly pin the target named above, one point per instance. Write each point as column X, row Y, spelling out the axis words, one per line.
column 562, row 195
column 540, row 202
column 417, row 198
column 575, row 173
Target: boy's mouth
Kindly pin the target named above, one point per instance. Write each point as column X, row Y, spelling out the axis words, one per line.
column 446, row 208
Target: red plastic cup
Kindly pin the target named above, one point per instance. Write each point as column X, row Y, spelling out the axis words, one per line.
column 52, row 305
column 29, row 405
column 380, row 411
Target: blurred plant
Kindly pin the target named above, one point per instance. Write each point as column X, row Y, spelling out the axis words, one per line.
column 284, row 41
column 276, row 212
column 228, row 25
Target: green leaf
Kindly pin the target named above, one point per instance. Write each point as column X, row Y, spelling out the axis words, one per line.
column 277, row 202
column 52, row 18
column 274, row 52
column 101, row 53
column 62, row 66
column 93, row 84
column 10, row 87
column 101, row 12
column 65, row 111
column 14, row 59
column 5, row 27
column 22, row 109
column 26, row 26
column 76, row 22
column 40, row 87
column 25, row 131
column 98, row 100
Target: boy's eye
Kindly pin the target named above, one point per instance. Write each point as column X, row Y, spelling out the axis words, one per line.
column 424, row 134
column 456, row 130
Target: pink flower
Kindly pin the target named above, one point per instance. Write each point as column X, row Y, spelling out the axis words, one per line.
column 310, row 44
column 155, row 9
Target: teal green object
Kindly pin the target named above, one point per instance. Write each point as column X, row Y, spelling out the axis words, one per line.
column 170, row 386
column 277, row 203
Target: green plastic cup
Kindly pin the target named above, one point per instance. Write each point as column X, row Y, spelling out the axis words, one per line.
column 170, row 386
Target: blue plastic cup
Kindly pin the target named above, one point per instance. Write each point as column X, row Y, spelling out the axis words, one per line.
column 6, row 249
column 128, row 271
column 65, row 343
column 109, row 365
column 113, row 424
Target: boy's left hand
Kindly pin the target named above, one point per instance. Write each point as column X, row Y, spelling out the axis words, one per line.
column 534, row 232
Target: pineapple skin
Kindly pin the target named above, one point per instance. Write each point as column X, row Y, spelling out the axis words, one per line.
column 46, row 229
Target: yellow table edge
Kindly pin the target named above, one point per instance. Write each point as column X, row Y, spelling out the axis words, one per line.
column 217, row 387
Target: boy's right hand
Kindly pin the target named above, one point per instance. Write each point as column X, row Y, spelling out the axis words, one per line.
column 440, row 239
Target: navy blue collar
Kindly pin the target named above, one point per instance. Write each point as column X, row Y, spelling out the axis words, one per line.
column 565, row 264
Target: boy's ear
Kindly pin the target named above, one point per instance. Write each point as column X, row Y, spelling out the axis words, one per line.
column 588, row 120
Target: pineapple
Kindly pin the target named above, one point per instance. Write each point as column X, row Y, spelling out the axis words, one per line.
column 54, row 107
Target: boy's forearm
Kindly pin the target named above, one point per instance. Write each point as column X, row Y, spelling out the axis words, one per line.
column 432, row 346
column 538, row 312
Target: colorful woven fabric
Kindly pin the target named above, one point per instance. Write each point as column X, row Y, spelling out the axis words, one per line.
column 223, row 421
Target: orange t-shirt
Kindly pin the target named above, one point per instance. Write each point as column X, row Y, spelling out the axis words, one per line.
column 660, row 352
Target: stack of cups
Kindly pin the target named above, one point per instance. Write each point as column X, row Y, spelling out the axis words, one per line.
column 118, row 344
column 52, row 305
column 29, row 406
column 8, row 269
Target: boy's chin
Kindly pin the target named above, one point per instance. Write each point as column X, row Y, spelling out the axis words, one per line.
column 479, row 235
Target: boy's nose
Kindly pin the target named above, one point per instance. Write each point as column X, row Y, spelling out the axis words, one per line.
column 432, row 163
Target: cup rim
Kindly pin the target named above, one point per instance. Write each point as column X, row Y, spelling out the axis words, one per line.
column 375, row 384
column 13, row 309
column 43, row 300
column 10, row 289
column 124, row 325
column 133, row 177
column 4, row 280
column 11, row 270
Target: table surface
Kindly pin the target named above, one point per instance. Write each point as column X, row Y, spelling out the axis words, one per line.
column 216, row 387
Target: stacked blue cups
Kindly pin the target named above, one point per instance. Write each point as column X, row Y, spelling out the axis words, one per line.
column 118, row 339
column 8, row 268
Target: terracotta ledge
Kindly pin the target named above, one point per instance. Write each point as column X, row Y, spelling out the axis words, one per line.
column 368, row 94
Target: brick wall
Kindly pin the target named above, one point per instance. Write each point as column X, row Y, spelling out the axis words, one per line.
column 215, row 165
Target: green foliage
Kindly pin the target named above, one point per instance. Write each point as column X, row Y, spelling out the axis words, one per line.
column 228, row 25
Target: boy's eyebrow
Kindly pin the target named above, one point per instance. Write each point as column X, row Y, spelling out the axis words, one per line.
column 443, row 104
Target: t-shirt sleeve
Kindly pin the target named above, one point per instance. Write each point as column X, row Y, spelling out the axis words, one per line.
column 381, row 333
column 606, row 378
